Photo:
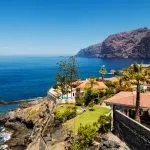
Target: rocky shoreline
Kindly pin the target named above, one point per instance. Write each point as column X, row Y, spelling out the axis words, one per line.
column 22, row 121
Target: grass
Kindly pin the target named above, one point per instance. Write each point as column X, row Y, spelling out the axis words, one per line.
column 88, row 117
column 62, row 108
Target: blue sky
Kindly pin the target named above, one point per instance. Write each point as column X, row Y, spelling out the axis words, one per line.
column 63, row 27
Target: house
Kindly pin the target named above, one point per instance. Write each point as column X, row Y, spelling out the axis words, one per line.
column 126, row 102
column 95, row 85
column 80, row 85
column 128, row 99
column 62, row 98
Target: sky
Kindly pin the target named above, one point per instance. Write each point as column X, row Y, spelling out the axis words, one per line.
column 63, row 27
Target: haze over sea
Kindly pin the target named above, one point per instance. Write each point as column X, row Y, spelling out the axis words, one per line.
column 27, row 77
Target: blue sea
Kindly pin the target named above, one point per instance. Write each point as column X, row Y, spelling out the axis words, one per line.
column 27, row 77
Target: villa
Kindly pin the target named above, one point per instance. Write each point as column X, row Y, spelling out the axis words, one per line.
column 126, row 102
column 80, row 85
column 87, row 84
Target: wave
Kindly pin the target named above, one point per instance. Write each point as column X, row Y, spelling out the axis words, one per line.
column 4, row 136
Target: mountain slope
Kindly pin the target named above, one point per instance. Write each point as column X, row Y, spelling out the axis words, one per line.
column 133, row 44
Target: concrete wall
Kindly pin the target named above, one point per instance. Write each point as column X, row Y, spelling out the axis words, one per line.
column 134, row 134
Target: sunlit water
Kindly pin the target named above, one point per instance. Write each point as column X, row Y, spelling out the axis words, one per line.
column 30, row 77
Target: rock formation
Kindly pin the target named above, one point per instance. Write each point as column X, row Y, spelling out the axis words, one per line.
column 28, row 124
column 133, row 44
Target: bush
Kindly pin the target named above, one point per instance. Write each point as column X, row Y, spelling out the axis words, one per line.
column 110, row 84
column 91, row 105
column 75, row 146
column 86, row 135
column 99, row 101
column 68, row 113
column 79, row 101
column 103, row 124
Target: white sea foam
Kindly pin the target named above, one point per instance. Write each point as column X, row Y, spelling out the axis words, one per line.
column 4, row 136
column 3, row 147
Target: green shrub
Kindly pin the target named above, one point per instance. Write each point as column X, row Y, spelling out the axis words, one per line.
column 109, row 84
column 86, row 135
column 99, row 101
column 91, row 105
column 58, row 115
column 103, row 124
column 79, row 101
column 68, row 113
column 75, row 146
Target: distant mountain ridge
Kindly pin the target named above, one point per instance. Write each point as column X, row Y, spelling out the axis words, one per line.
column 132, row 44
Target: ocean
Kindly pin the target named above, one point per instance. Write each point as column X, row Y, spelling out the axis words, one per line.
column 27, row 77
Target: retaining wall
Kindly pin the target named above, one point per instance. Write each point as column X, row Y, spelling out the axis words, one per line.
column 131, row 132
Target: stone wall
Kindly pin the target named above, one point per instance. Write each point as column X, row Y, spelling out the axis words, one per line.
column 133, row 133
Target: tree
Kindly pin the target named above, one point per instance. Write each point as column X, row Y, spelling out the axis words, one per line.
column 136, row 75
column 103, row 71
column 61, row 82
column 72, row 71
column 62, row 76
column 92, row 82
column 88, row 97
column 68, row 72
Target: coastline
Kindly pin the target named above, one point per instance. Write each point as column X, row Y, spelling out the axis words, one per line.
column 13, row 105
column 6, row 133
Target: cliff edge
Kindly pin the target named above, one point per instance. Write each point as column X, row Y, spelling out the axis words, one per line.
column 132, row 44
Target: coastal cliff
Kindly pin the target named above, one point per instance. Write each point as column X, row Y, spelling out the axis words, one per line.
column 132, row 44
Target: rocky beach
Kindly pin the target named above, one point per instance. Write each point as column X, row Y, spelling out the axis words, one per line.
column 18, row 125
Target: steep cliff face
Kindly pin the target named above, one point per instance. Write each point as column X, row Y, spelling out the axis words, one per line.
column 133, row 44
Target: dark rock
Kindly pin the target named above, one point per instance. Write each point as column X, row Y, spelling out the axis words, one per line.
column 106, row 144
column 15, row 125
column 133, row 44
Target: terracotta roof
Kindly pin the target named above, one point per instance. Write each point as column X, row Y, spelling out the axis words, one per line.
column 129, row 99
column 77, row 83
column 96, row 85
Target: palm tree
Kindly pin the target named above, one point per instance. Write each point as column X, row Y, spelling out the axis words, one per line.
column 92, row 81
column 103, row 71
column 137, row 75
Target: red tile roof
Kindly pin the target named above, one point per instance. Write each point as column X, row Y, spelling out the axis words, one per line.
column 129, row 99
column 96, row 85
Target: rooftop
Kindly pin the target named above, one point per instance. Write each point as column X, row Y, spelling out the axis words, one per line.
column 96, row 85
column 129, row 99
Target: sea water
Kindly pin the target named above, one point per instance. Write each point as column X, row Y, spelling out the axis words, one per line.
column 26, row 77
